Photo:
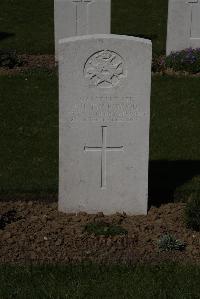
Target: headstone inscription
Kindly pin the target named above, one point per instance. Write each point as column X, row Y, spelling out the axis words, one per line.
column 183, row 25
column 80, row 17
column 104, row 104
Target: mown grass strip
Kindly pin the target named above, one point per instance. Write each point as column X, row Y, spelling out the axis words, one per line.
column 93, row 281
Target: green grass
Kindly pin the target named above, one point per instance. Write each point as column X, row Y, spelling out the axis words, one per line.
column 92, row 281
column 146, row 19
column 29, row 134
column 28, row 26
column 175, row 109
column 174, row 139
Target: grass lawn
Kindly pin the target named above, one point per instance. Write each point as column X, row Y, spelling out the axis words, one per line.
column 29, row 152
column 146, row 19
column 28, row 26
column 29, row 131
column 92, row 281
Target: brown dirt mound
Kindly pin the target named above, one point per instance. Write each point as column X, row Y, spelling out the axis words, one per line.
column 48, row 61
column 34, row 61
column 38, row 233
column 31, row 62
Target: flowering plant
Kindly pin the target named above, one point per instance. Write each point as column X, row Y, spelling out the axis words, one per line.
column 186, row 60
column 192, row 212
column 158, row 64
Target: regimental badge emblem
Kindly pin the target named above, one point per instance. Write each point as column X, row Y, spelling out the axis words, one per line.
column 105, row 69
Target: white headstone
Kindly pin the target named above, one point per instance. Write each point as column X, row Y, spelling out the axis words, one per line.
column 104, row 104
column 80, row 17
column 183, row 25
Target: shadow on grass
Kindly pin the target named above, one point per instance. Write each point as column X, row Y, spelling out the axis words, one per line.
column 166, row 179
column 169, row 181
column 6, row 35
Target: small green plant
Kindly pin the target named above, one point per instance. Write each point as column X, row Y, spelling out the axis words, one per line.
column 168, row 242
column 9, row 59
column 186, row 60
column 192, row 212
column 105, row 229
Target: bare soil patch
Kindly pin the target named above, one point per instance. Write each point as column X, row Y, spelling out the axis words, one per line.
column 38, row 233
column 48, row 62
column 31, row 62
column 171, row 72
column 37, row 61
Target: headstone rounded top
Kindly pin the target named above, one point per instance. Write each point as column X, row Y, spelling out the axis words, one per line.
column 105, row 36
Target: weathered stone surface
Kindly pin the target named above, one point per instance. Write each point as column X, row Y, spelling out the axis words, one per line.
column 104, row 124
column 183, row 25
column 80, row 17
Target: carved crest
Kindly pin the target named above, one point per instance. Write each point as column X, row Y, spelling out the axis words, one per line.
column 105, row 69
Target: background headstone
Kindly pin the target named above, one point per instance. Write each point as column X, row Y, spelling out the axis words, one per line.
column 104, row 105
column 183, row 25
column 80, row 17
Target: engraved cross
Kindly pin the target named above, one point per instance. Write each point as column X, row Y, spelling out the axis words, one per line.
column 82, row 16
column 103, row 149
column 194, row 31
